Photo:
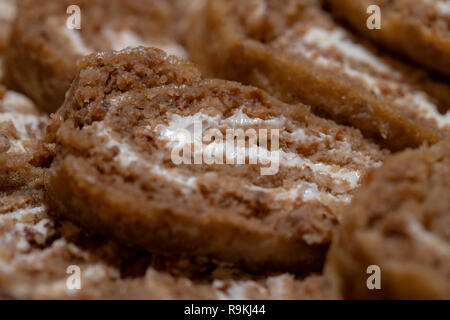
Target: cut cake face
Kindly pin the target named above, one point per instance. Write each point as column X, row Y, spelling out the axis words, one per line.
column 149, row 160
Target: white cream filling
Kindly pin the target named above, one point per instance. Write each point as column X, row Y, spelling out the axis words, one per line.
column 370, row 81
column 300, row 136
column 14, row 101
column 237, row 291
column 76, row 41
column 428, row 238
column 174, row 131
column 7, row 9
column 274, row 287
column 126, row 38
column 443, row 7
column 337, row 38
column 18, row 214
column 240, row 119
column 20, row 218
column 343, row 179
column 42, row 227
column 22, row 123
column 42, row 230
column 425, row 108
column 22, row 244
column 120, row 40
column 304, row 190
column 325, row 39
column 256, row 13
column 127, row 156
column 96, row 273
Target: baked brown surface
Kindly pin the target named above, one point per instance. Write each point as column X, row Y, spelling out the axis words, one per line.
column 418, row 29
column 36, row 251
column 399, row 221
column 295, row 51
column 21, row 126
column 42, row 54
column 97, row 187
column 114, row 175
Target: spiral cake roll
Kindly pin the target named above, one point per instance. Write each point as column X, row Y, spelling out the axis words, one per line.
column 418, row 29
column 48, row 37
column 151, row 154
column 38, row 255
column 21, row 126
column 295, row 51
column 37, row 252
column 399, row 221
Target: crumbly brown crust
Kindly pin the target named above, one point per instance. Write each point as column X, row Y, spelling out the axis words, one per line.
column 417, row 29
column 144, row 228
column 21, row 126
column 399, row 221
column 314, row 61
column 113, row 167
column 42, row 53
column 36, row 250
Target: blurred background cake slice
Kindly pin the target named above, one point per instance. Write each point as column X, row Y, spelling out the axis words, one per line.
column 295, row 51
column 399, row 222
column 416, row 29
column 46, row 44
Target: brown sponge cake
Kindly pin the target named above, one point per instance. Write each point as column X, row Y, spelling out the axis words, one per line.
column 21, row 126
column 36, row 251
column 114, row 174
column 399, row 221
column 418, row 29
column 42, row 53
column 295, row 51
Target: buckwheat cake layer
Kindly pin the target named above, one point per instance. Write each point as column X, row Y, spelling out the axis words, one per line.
column 418, row 29
column 295, row 51
column 21, row 126
column 114, row 172
column 400, row 222
column 42, row 54
column 36, row 252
